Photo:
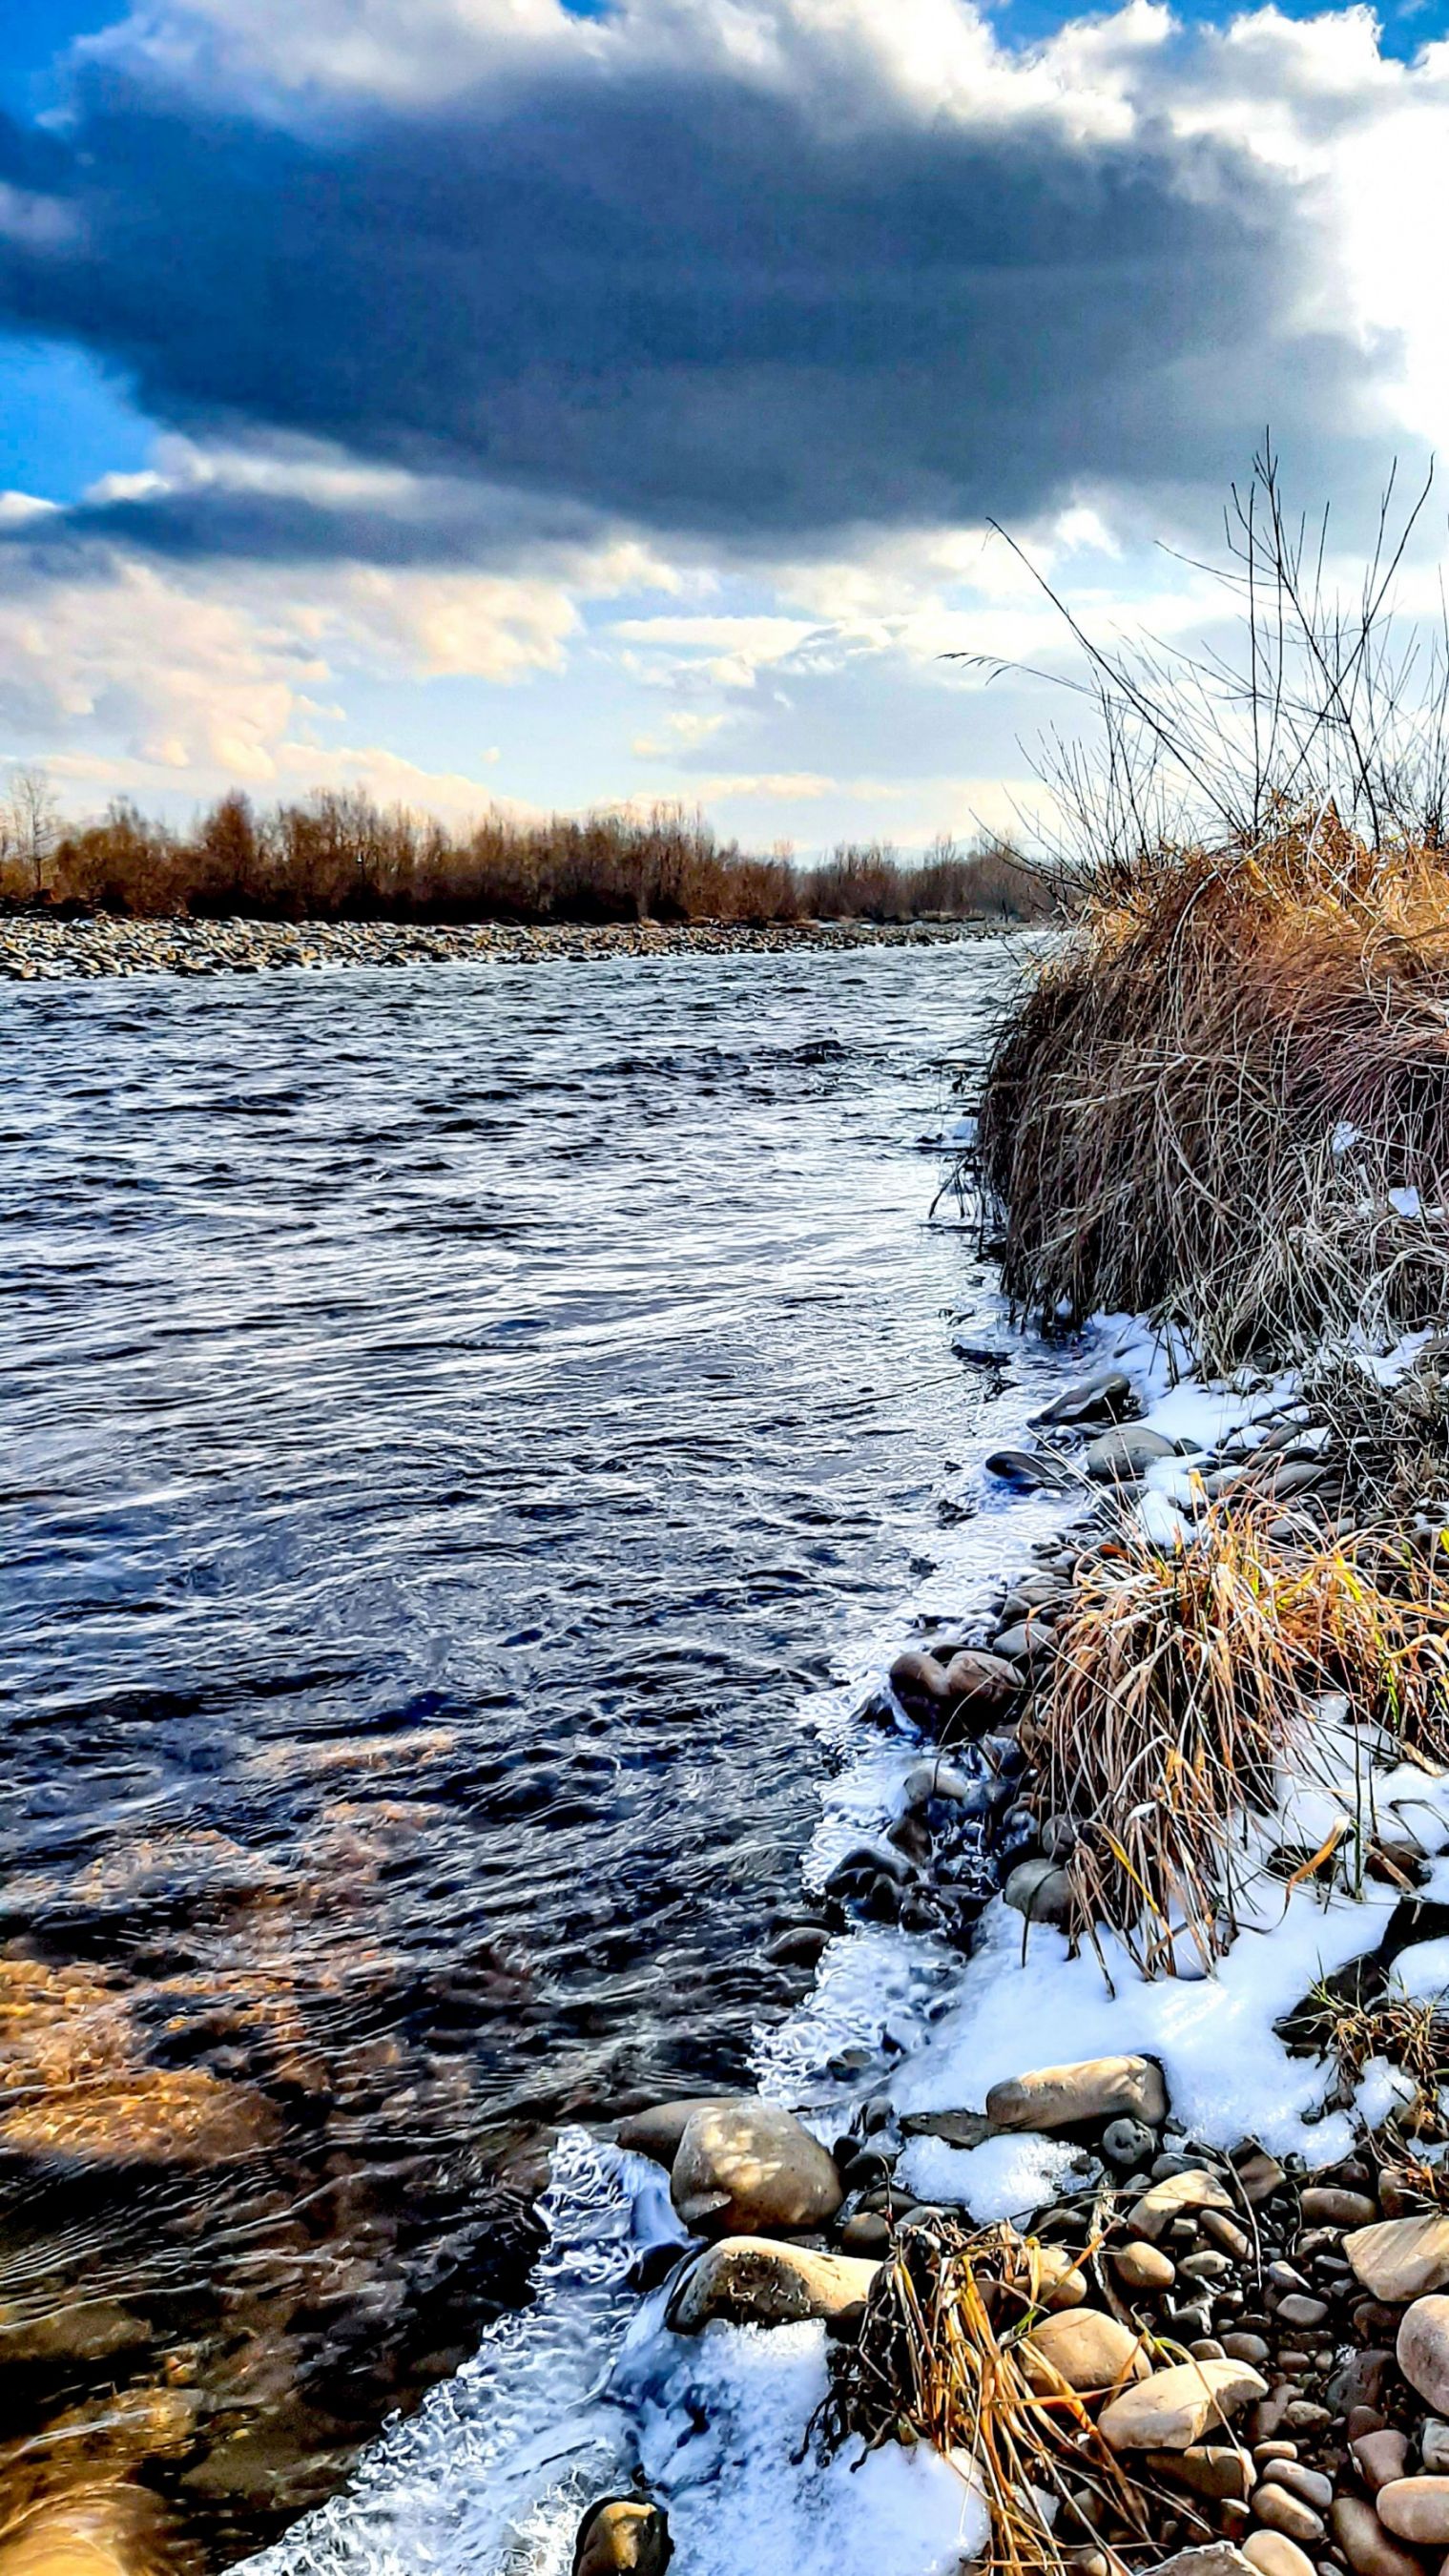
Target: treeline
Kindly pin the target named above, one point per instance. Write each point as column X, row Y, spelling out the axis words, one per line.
column 340, row 856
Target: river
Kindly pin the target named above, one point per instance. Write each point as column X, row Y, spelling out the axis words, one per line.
column 462, row 1428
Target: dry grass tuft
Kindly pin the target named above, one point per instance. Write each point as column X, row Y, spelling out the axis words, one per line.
column 1202, row 1105
column 938, row 2361
column 1182, row 1679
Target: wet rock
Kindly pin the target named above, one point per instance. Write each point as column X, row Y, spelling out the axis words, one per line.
column 749, row 2282
column 1028, row 1471
column 1143, row 2267
column 656, row 2133
column 1401, row 2258
column 919, row 1682
column 1422, row 2350
column 623, row 2536
column 108, row 2530
column 801, row 1946
column 1087, row 2349
column 1416, row 2510
column 1174, row 2408
column 1174, row 2197
column 744, row 2166
column 1120, row 1456
column 1040, row 1891
column 1106, row 1397
column 1272, row 2553
column 982, row 1689
column 928, row 1780
column 1365, row 2543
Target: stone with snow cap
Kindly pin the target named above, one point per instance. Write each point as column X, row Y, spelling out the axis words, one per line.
column 746, row 2167
column 1093, row 2088
column 1401, row 2258
column 1174, row 2408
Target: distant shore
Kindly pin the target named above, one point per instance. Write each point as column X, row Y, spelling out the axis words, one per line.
column 34, row 949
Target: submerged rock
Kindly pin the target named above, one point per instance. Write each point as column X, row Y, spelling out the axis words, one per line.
column 111, row 2530
column 750, row 2282
column 1092, row 2088
column 745, row 2167
column 623, row 2533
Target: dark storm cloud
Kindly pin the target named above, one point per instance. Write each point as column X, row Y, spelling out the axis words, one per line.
column 680, row 302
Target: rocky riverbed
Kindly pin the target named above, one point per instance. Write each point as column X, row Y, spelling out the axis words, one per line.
column 38, row 949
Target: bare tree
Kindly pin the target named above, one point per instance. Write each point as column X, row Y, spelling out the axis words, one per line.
column 34, row 822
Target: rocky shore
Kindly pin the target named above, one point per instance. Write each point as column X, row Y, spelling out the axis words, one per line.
column 38, row 949
column 1192, row 2350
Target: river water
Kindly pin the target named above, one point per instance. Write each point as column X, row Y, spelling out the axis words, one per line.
column 458, row 1423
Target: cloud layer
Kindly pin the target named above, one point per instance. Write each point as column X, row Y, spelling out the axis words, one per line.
column 498, row 344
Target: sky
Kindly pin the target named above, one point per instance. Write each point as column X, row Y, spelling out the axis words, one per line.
column 503, row 402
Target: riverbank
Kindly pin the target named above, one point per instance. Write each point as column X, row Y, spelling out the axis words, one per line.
column 35, row 949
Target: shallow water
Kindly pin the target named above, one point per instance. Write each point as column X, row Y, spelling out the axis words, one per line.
column 455, row 1423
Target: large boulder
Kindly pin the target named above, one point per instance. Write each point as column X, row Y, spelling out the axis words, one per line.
column 1401, row 2258
column 1174, row 2408
column 750, row 2282
column 746, row 2169
column 1094, row 2088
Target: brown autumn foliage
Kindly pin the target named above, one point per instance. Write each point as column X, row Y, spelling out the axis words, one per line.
column 340, row 856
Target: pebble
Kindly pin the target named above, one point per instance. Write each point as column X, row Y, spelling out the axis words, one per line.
column 1169, row 2411
column 1274, row 2554
column 1082, row 2346
column 1325, row 2205
column 1300, row 2480
column 1434, row 2445
column 1247, row 2347
column 1145, row 2267
column 1401, row 2258
column 1280, row 2510
column 1297, row 2309
column 1416, row 2510
column 1365, row 2543
column 1381, row 2456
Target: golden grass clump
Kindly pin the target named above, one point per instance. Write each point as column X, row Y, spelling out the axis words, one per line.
column 1209, row 1104
column 1182, row 1679
column 940, row 2359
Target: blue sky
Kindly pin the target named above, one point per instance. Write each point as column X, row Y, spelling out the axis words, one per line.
column 480, row 399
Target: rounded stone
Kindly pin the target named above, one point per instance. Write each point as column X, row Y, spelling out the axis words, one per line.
column 1082, row 2346
column 623, row 2536
column 1274, row 2554
column 1422, row 2350
column 1381, row 2456
column 1365, row 2543
column 1278, row 2510
column 1146, row 2267
column 745, row 2166
column 1416, row 2510
column 1126, row 2144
